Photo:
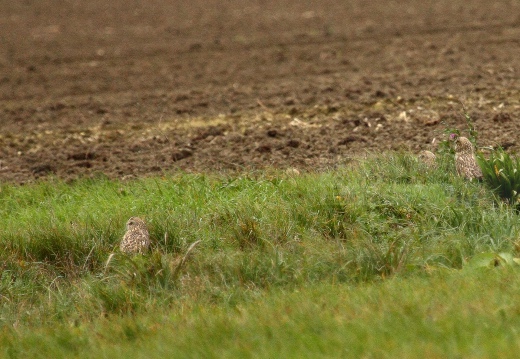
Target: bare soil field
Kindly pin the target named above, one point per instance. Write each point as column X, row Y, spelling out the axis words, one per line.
column 129, row 88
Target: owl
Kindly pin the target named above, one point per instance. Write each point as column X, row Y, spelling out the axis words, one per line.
column 428, row 158
column 465, row 161
column 136, row 238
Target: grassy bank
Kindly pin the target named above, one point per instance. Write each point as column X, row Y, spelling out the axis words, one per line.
column 378, row 258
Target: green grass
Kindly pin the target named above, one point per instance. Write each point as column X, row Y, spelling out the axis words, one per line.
column 440, row 315
column 378, row 259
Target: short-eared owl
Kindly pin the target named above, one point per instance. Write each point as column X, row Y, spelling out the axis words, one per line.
column 427, row 157
column 465, row 161
column 136, row 238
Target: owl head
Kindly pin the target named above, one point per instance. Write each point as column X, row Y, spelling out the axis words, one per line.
column 463, row 145
column 135, row 222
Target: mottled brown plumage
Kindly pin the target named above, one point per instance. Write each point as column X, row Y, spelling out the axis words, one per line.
column 465, row 161
column 136, row 238
column 427, row 157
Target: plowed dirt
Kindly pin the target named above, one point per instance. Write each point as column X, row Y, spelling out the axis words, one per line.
column 136, row 88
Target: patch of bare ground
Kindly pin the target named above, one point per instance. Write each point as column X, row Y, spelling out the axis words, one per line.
column 132, row 90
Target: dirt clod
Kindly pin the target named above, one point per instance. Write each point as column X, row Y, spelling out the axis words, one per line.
column 182, row 154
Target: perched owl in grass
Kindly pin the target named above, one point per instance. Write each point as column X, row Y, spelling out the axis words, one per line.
column 428, row 158
column 465, row 161
column 136, row 238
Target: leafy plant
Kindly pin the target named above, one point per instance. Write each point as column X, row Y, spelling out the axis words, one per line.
column 502, row 174
column 491, row 260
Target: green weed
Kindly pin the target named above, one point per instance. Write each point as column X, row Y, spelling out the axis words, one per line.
column 502, row 174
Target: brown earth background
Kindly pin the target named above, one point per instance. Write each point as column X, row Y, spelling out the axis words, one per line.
column 135, row 88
